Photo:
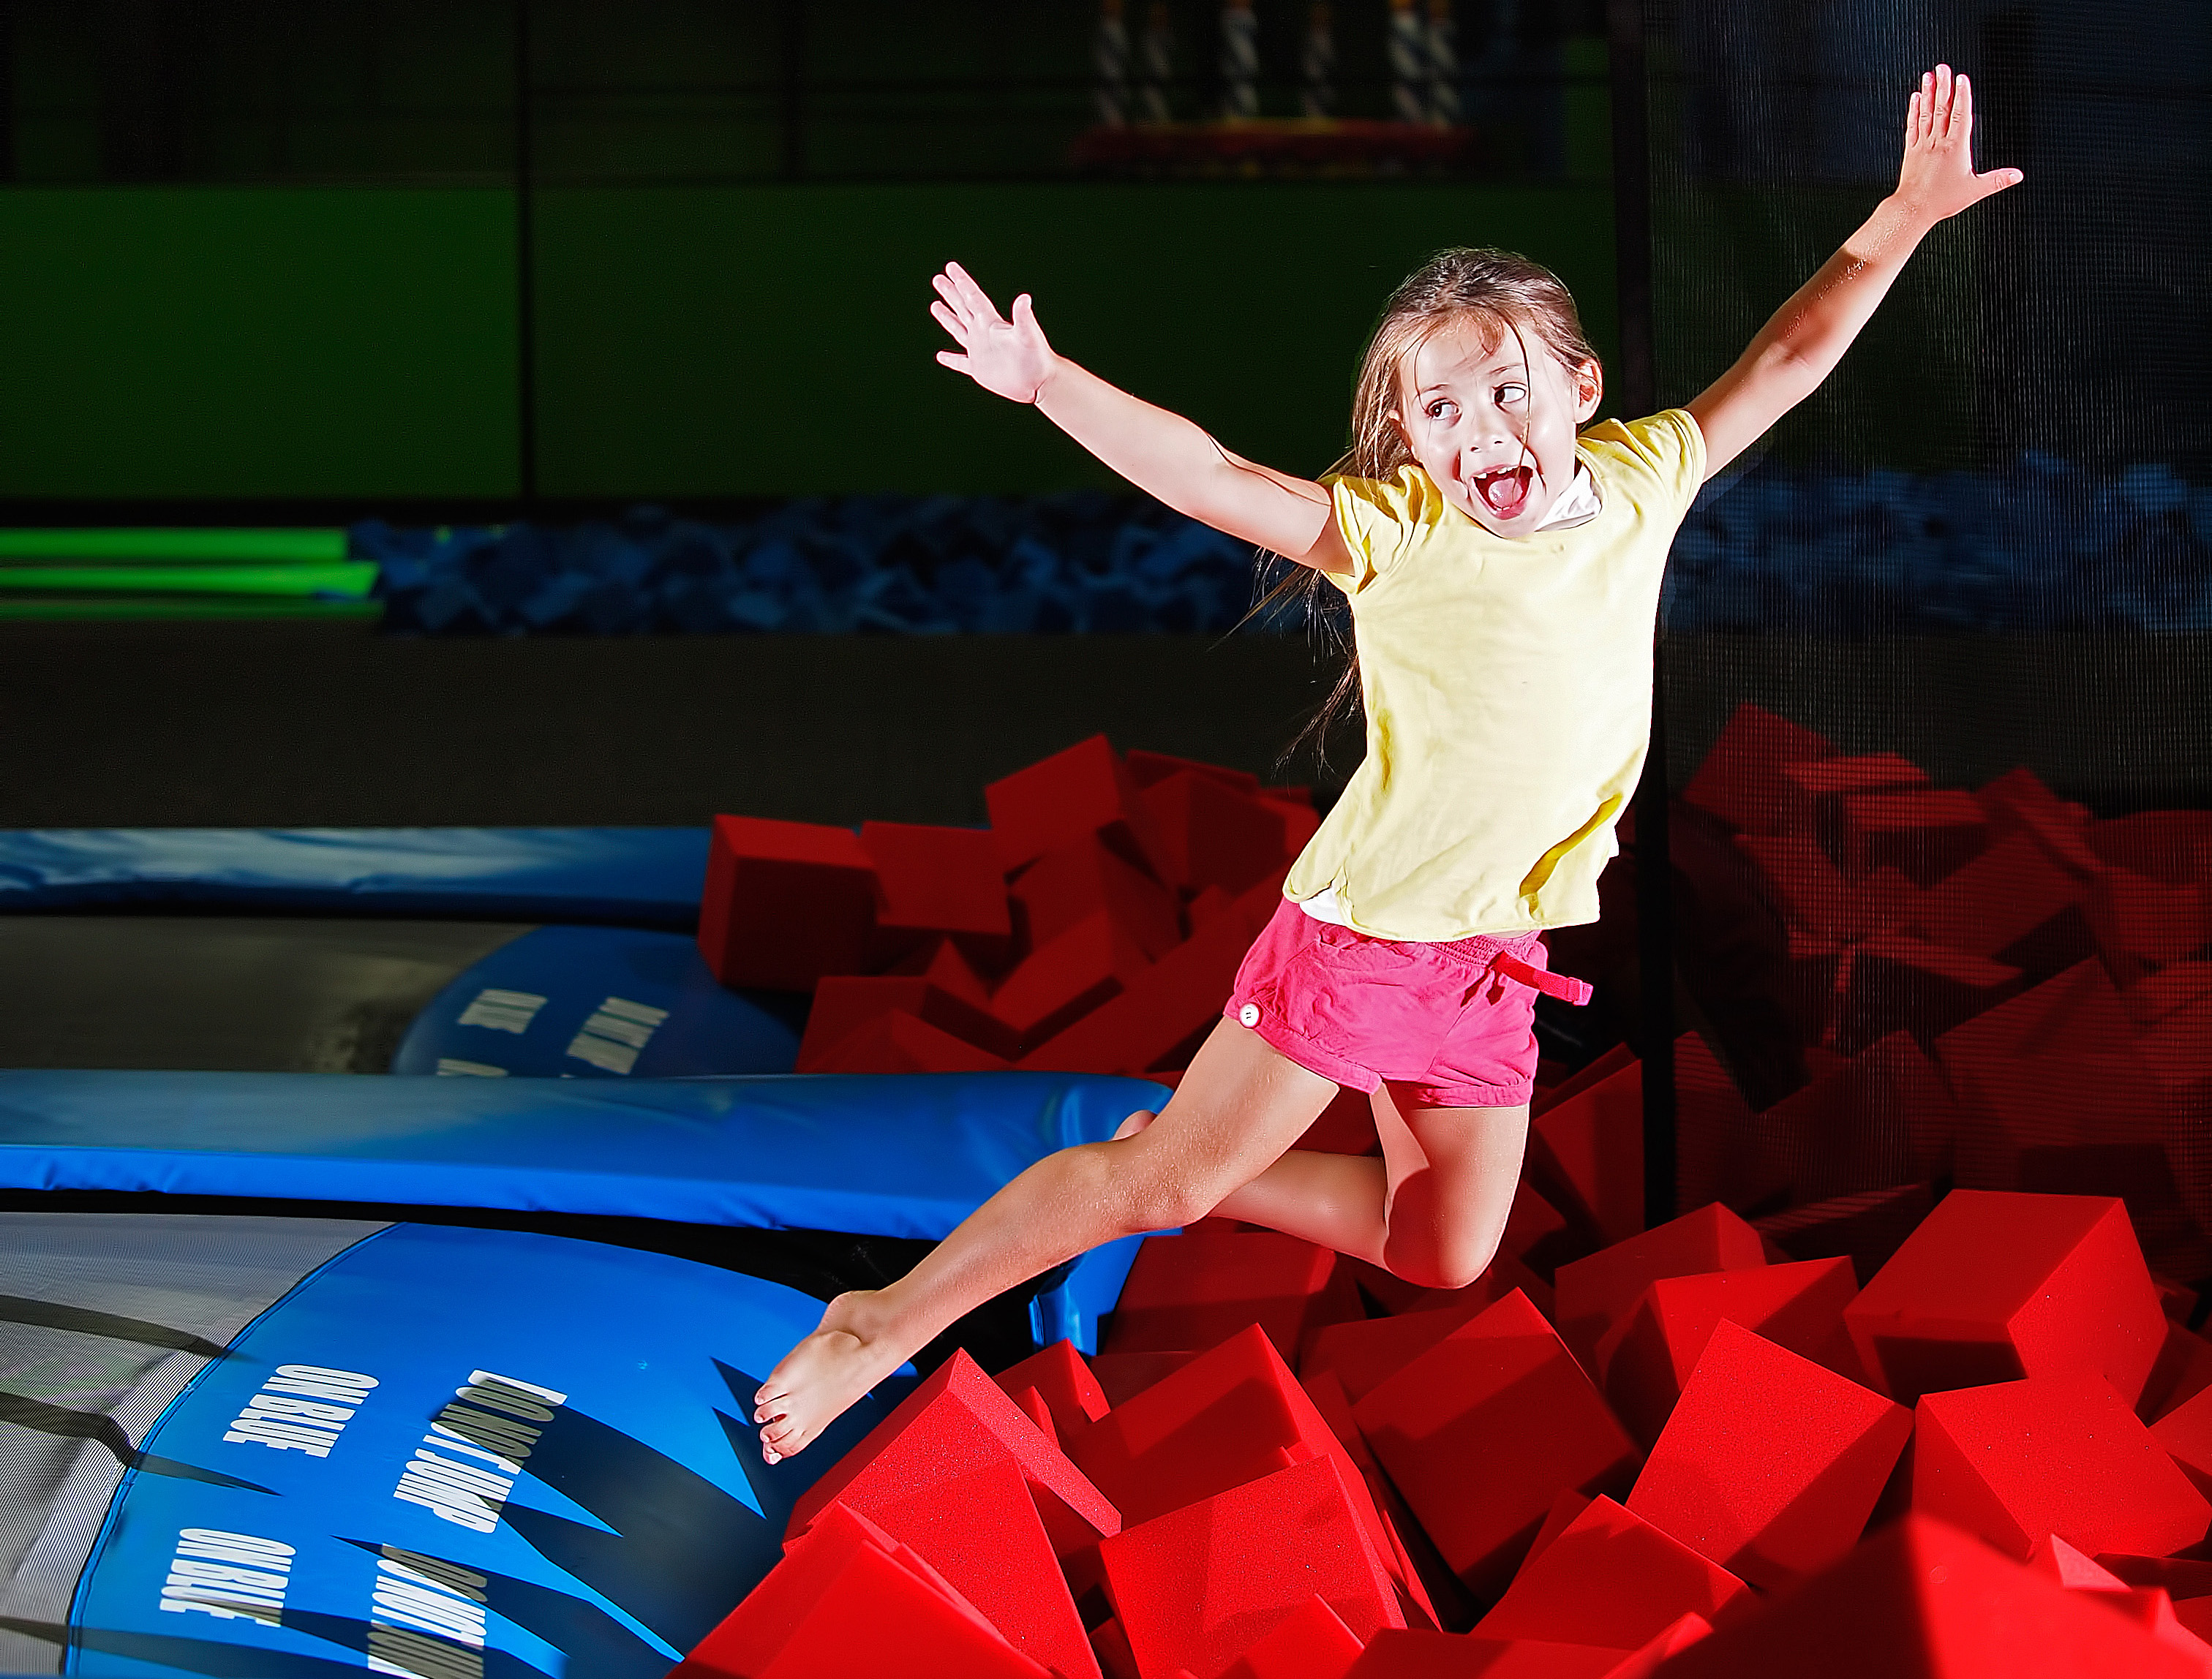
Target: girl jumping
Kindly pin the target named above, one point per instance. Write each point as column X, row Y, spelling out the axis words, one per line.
column 1503, row 568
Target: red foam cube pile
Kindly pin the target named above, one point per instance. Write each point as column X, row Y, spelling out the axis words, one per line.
column 1095, row 926
column 1707, row 1453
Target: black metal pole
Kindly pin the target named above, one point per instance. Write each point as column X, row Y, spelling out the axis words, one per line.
column 525, row 268
column 1636, row 380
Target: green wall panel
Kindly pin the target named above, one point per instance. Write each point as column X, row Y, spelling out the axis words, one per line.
column 776, row 339
column 187, row 342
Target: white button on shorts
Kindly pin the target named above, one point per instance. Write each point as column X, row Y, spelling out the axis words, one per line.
column 1248, row 1015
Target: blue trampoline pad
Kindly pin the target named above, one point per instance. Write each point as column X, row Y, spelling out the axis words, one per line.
column 599, row 1003
column 908, row 1156
column 630, row 876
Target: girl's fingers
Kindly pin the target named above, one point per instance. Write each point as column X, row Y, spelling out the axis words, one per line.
column 951, row 322
column 953, row 360
column 951, row 293
column 1927, row 107
column 1962, row 109
column 971, row 294
column 1913, row 120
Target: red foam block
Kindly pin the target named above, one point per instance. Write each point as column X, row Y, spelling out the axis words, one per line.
column 1740, row 780
column 2185, row 1431
column 898, row 1042
column 1064, row 1381
column 1769, row 1464
column 1364, row 1354
column 1148, row 769
column 2018, row 802
column 1993, row 1286
column 1308, row 1642
column 1592, row 1292
column 1199, row 1287
column 1813, row 790
column 957, row 1420
column 1610, row 1578
column 1123, row 1376
column 1485, row 1429
column 1068, row 976
column 1425, row 1655
column 2183, row 1370
column 1646, row 1357
column 2061, row 1454
column 1922, row 1601
column 2003, row 905
column 1086, row 790
column 1926, row 833
column 1197, row 1587
column 1086, row 877
column 785, row 903
column 1586, row 1155
column 843, row 1003
column 937, row 881
column 1216, row 835
column 847, row 1598
column 1896, row 983
column 1162, row 1015
column 1229, row 1416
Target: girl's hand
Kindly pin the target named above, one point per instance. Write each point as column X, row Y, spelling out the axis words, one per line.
column 1938, row 179
column 1009, row 359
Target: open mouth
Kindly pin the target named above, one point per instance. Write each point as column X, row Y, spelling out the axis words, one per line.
column 1506, row 491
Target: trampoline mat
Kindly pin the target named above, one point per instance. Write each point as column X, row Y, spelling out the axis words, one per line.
column 223, row 993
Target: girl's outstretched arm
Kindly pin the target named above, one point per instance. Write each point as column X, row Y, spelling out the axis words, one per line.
column 1160, row 452
column 1795, row 350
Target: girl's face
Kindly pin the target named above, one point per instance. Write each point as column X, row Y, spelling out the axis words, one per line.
column 1494, row 423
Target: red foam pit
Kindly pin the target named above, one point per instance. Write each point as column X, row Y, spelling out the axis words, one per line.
column 785, row 903
column 2068, row 1033
column 1813, row 790
column 1065, row 1382
column 1609, row 1578
column 1086, row 790
column 1993, row 1286
column 1769, row 1464
column 1646, row 1356
column 1215, row 835
column 1068, row 977
column 2185, row 1433
column 2153, row 1610
column 1310, row 1642
column 1894, row 982
column 1148, row 769
column 1997, row 905
column 1925, row 834
column 1922, row 1601
column 1423, row 1655
column 1586, row 1155
column 2182, row 1371
column 1084, row 877
column 1365, row 1353
column 1583, row 1078
column 2178, row 1050
column 1423, row 1580
column 956, row 1421
column 1197, row 1289
column 1805, row 887
column 941, row 962
column 2183, row 1576
column 845, row 1003
column 2178, row 1299
column 1538, row 1235
column 1740, row 780
column 2153, row 996
column 2052, row 1454
column 1197, row 1587
column 898, row 1042
column 1483, row 1431
column 847, row 1598
column 1346, row 1126
column 943, row 881
column 1123, row 1376
column 1866, row 1228
column 1592, row 1292
column 2017, row 802
column 1668, row 1642
column 1165, row 1011
column 2196, row 1614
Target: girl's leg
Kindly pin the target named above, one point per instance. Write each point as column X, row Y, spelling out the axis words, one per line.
column 1238, row 1108
column 1431, row 1210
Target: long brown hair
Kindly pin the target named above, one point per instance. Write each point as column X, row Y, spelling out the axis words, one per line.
column 1500, row 291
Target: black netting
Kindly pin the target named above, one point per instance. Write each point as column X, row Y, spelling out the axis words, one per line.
column 1936, row 658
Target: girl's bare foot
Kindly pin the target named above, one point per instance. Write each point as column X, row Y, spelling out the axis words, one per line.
column 823, row 1376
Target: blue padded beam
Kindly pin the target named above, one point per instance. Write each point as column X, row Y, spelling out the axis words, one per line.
column 631, row 876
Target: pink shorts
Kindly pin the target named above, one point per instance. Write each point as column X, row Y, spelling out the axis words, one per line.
column 1440, row 1019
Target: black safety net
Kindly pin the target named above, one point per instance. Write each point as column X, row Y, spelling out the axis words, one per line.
column 1936, row 656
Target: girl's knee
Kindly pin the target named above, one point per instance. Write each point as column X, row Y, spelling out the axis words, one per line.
column 1431, row 1266
column 1150, row 1192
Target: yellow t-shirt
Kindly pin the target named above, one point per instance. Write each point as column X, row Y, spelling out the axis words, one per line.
column 1508, row 690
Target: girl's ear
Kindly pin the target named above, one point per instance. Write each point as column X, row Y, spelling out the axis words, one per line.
column 1590, row 390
